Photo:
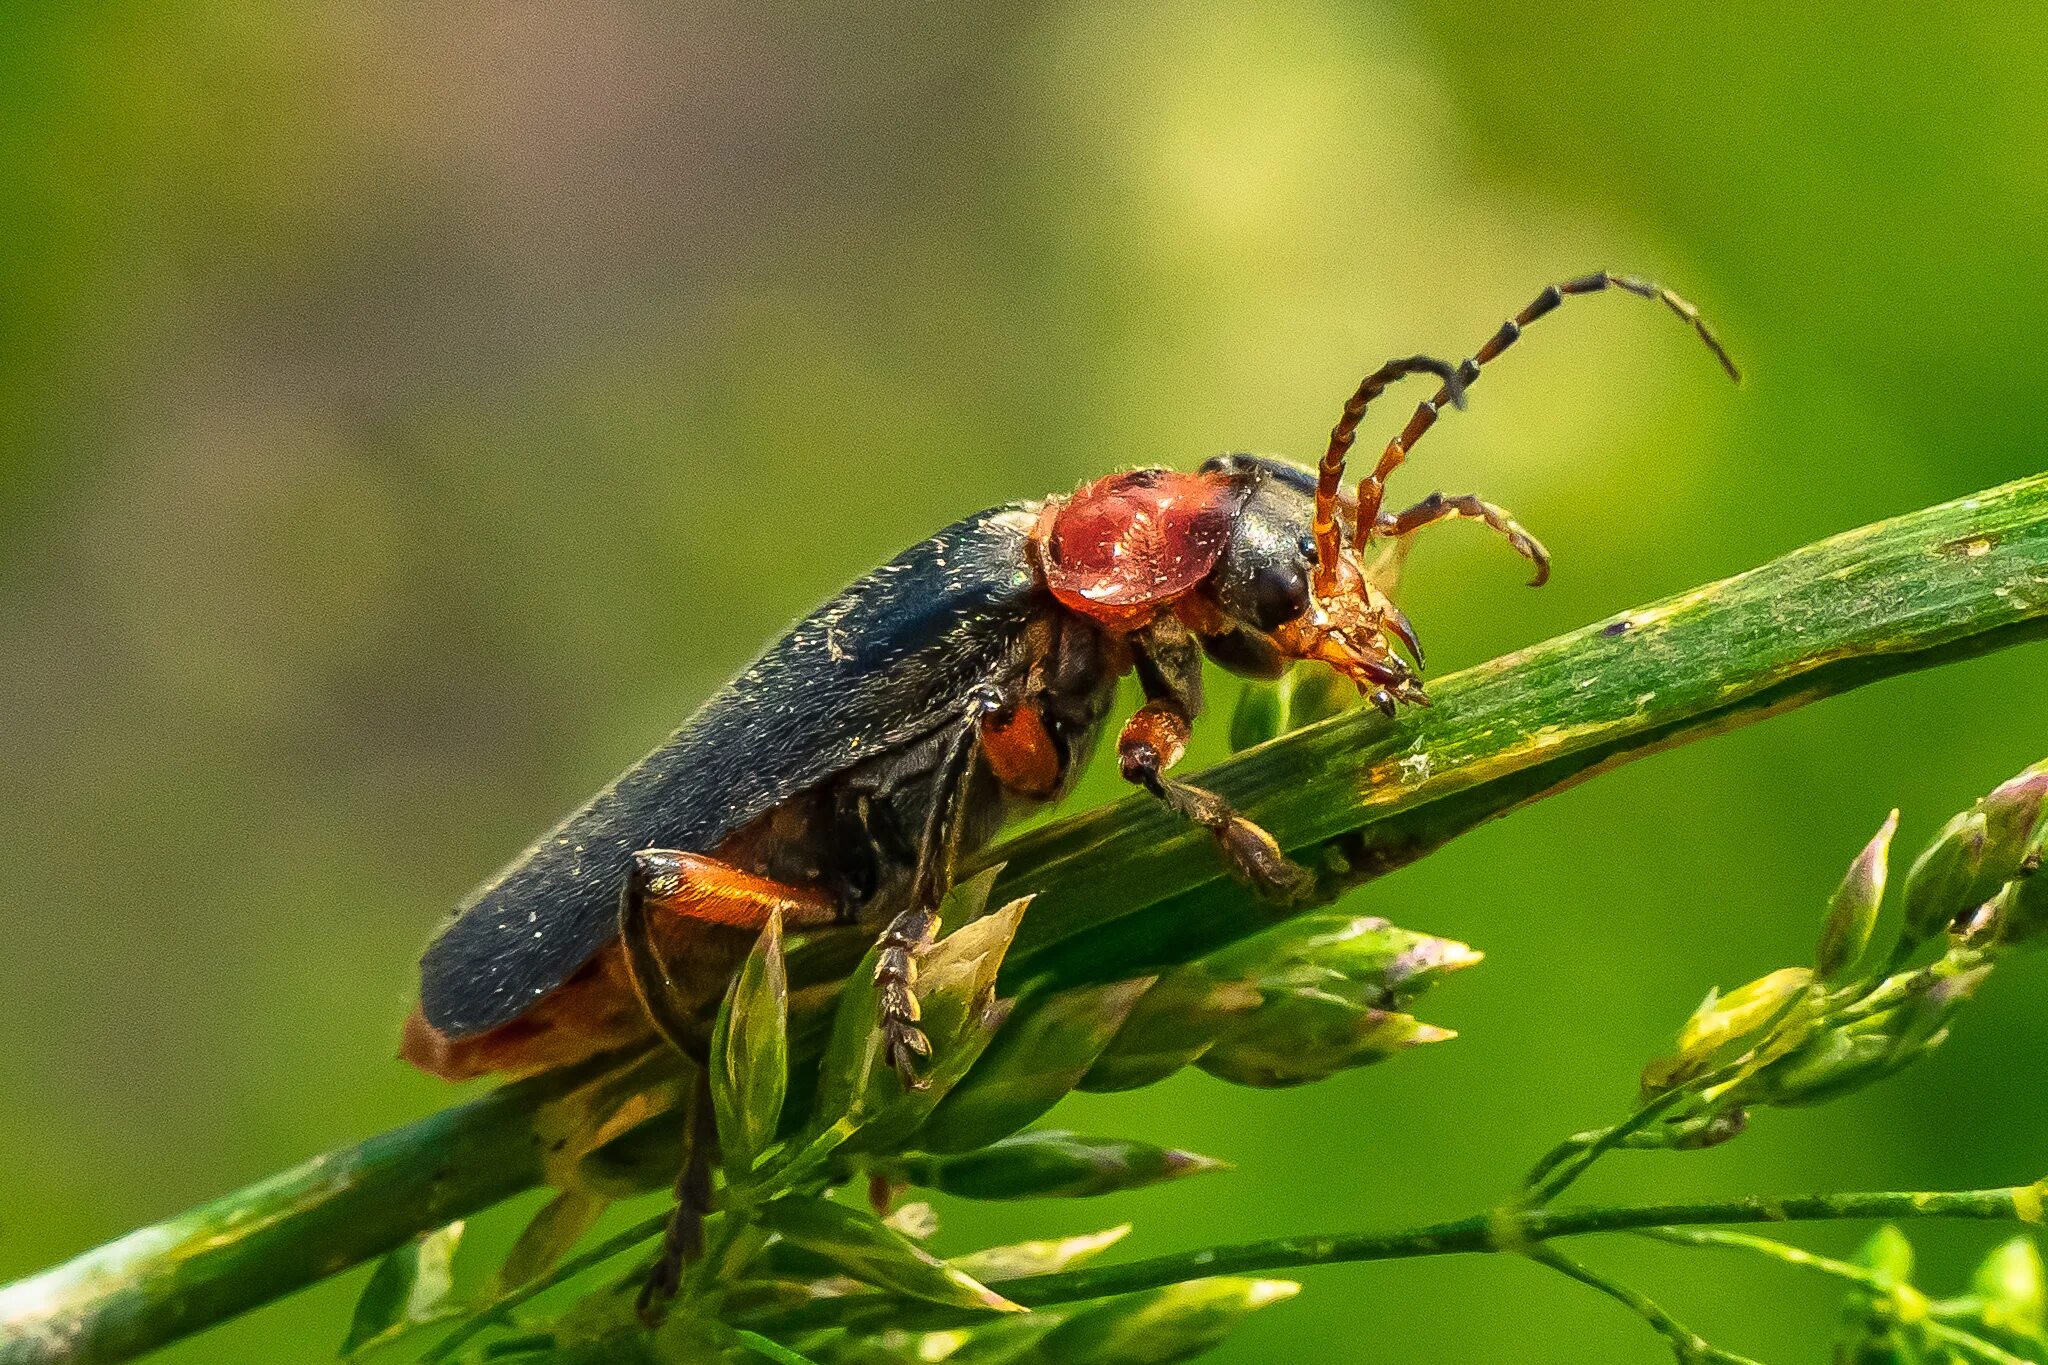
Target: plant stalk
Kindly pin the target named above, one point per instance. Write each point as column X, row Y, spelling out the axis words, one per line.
column 1510, row 1229
column 1126, row 889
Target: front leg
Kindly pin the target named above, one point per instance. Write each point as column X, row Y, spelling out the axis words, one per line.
column 1169, row 666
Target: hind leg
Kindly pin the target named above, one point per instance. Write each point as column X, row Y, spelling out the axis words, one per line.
column 669, row 892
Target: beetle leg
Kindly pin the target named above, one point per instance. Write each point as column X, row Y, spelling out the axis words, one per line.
column 903, row 1042
column 1153, row 740
column 1467, row 507
column 690, row 891
column 917, row 924
column 683, row 1240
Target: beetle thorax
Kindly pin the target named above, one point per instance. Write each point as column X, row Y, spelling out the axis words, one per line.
column 1127, row 547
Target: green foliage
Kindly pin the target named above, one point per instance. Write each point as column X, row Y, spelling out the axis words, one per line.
column 1887, row 1321
column 750, row 1045
column 793, row 1271
column 409, row 1289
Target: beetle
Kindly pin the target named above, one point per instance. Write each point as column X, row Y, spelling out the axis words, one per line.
column 841, row 777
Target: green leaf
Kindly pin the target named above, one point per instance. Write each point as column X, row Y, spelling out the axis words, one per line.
column 547, row 1238
column 874, row 1253
column 410, row 1288
column 769, row 1350
column 1158, row 1326
column 1040, row 1055
column 1053, row 1163
column 1039, row 1258
column 750, row 1055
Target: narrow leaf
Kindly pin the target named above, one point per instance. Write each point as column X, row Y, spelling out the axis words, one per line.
column 750, row 1055
column 1033, row 1063
column 1158, row 1326
column 871, row 1251
column 1054, row 1163
column 770, row 1350
column 547, row 1238
column 409, row 1288
column 1039, row 1258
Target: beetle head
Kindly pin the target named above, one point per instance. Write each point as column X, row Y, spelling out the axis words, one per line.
column 1232, row 552
column 1274, row 600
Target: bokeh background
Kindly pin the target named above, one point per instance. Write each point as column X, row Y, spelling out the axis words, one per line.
column 408, row 413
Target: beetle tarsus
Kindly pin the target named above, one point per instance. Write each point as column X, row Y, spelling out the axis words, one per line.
column 903, row 1042
column 1251, row 852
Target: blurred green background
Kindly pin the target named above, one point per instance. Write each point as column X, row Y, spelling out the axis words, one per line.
column 408, row 413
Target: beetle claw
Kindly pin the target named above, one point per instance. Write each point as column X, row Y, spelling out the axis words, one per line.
column 903, row 1043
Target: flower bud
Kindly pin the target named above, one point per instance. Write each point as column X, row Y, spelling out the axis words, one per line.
column 1852, row 913
column 1887, row 1254
column 2010, row 1285
column 1172, row 1024
column 1976, row 853
column 1316, row 994
column 1850, row 1056
column 2023, row 912
column 1052, row 1163
column 1720, row 1020
column 2014, row 808
column 1945, row 876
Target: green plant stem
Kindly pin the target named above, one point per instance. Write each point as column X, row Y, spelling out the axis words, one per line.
column 1504, row 1230
column 1689, row 1346
column 1125, row 889
column 1782, row 1252
column 1573, row 1158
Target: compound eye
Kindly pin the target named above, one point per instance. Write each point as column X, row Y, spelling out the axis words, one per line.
column 1279, row 594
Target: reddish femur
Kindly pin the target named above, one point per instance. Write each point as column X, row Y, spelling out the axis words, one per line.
column 1130, row 544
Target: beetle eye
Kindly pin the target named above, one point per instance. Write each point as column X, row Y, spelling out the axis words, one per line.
column 1279, row 593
